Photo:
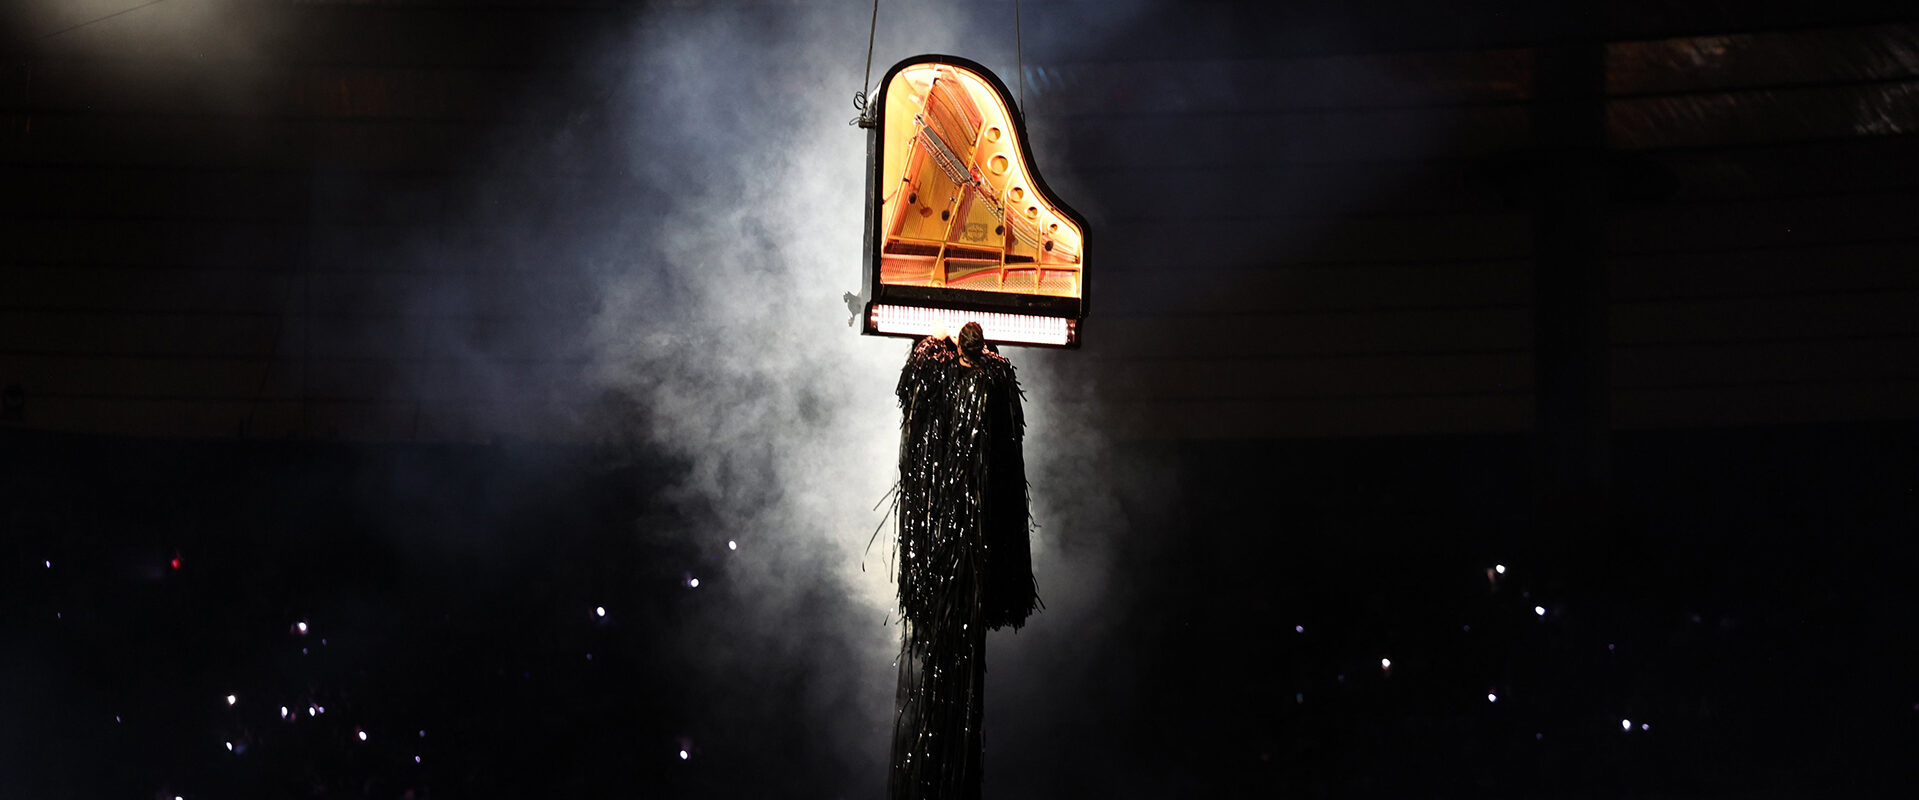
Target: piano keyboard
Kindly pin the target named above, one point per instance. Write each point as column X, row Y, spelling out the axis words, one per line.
column 1015, row 328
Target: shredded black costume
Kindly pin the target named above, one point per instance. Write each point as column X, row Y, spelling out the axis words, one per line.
column 965, row 563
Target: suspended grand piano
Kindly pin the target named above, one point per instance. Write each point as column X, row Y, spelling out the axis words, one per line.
column 959, row 225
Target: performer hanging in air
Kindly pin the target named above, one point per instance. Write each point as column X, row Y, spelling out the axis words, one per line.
column 965, row 566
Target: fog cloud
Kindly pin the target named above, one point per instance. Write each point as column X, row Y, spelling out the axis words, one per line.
column 704, row 192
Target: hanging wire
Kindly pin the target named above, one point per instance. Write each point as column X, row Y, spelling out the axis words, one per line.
column 866, row 77
column 98, row 19
column 1019, row 55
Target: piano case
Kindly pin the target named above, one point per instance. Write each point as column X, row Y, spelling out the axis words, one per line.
column 959, row 224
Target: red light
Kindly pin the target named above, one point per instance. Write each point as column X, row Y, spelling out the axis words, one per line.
column 176, row 562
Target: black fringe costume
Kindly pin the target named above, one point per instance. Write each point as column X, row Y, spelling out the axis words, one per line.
column 965, row 563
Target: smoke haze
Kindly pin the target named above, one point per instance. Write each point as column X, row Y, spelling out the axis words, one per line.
column 697, row 205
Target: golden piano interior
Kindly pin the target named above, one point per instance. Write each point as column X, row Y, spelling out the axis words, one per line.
column 959, row 200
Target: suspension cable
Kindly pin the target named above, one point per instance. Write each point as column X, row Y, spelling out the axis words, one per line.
column 866, row 77
column 71, row 28
column 1019, row 55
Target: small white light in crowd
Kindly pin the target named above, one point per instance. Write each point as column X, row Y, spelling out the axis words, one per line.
column 1625, row 724
column 231, row 699
column 693, row 583
column 599, row 611
column 1492, row 698
column 49, row 564
column 1385, row 663
column 362, row 735
column 313, row 710
column 423, row 734
column 1645, row 726
column 283, row 712
column 300, row 626
column 416, row 759
column 732, row 545
column 1499, row 568
column 1299, row 629
column 1540, row 610
column 229, row 747
column 682, row 755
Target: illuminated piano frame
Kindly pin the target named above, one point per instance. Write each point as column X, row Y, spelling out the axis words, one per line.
column 1008, row 316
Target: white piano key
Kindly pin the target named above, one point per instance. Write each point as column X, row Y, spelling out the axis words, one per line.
column 998, row 327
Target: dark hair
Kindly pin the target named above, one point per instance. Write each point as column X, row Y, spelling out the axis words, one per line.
column 971, row 340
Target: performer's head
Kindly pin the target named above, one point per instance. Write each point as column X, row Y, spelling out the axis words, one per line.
column 971, row 341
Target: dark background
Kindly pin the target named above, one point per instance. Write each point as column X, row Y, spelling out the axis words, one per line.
column 311, row 296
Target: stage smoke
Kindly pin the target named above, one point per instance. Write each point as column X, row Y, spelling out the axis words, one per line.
column 701, row 187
